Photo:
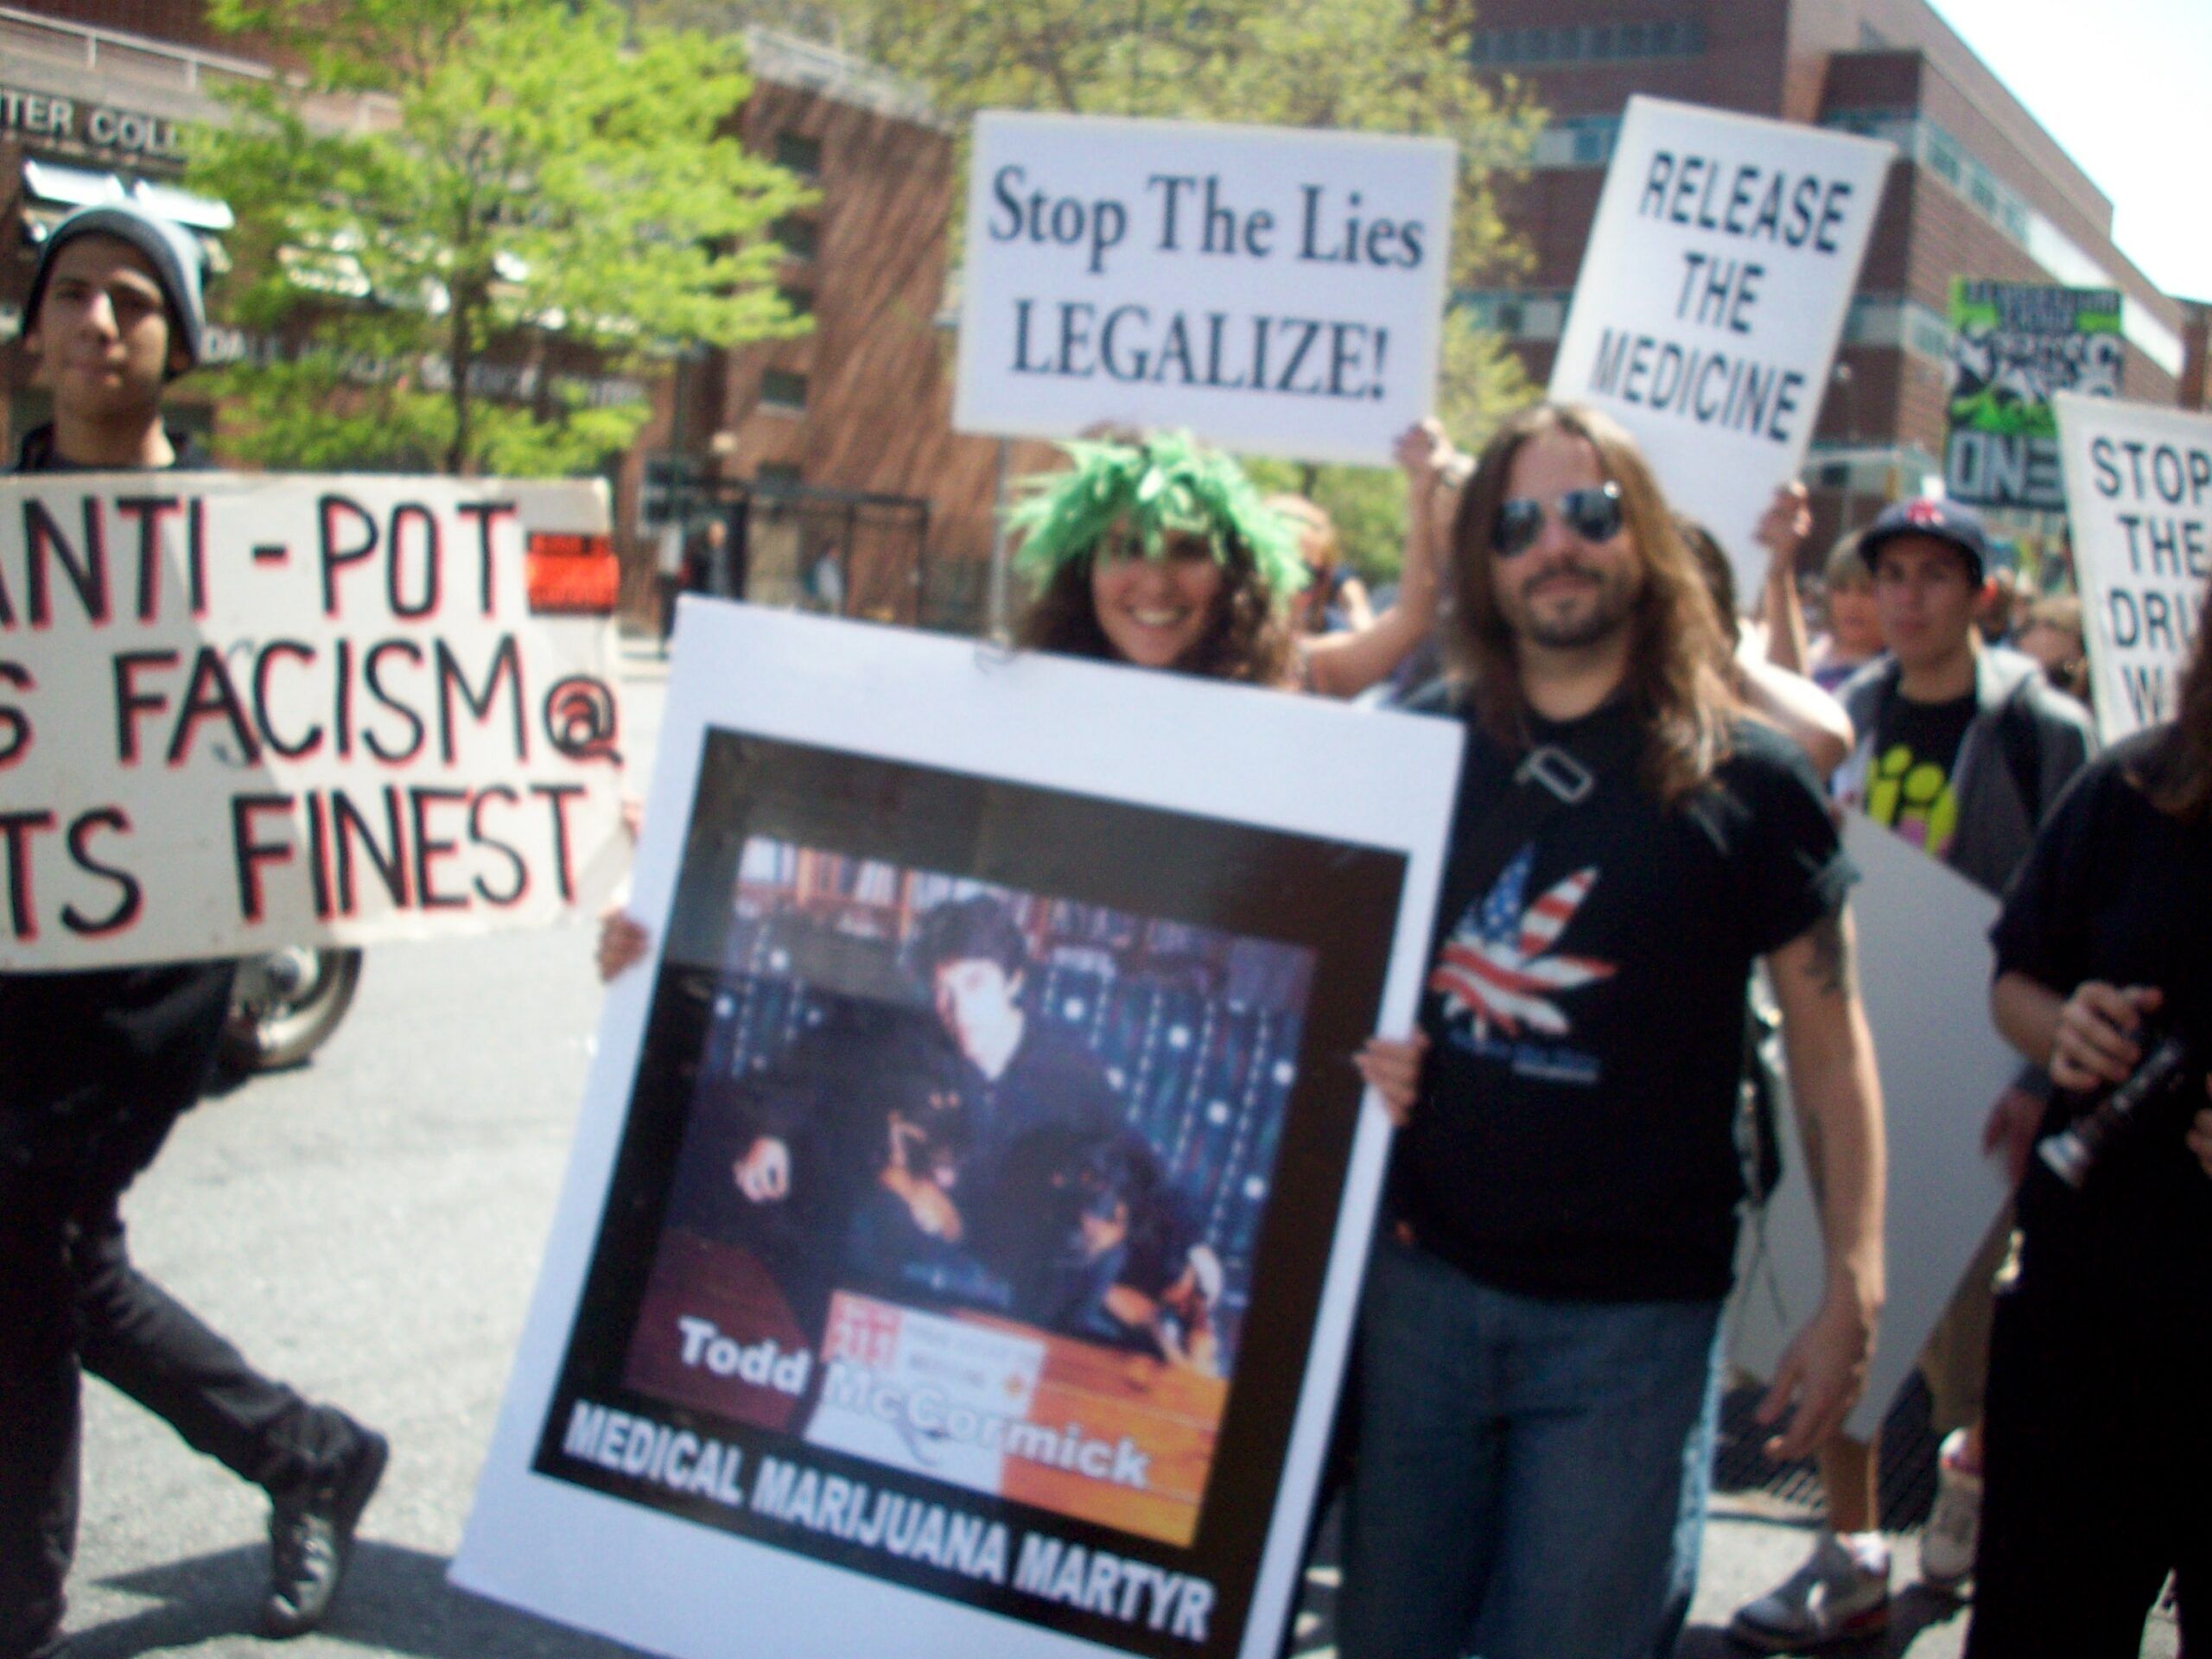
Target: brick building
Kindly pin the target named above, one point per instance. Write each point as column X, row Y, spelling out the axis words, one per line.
column 1978, row 189
column 836, row 447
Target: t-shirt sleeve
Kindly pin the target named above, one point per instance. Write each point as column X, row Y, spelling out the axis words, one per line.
column 2041, row 930
column 1798, row 871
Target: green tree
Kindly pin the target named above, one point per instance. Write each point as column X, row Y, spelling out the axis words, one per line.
column 1383, row 65
column 537, row 187
column 1377, row 65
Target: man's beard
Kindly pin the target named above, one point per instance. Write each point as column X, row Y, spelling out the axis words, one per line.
column 1602, row 613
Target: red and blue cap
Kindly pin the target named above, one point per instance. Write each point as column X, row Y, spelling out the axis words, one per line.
column 1946, row 521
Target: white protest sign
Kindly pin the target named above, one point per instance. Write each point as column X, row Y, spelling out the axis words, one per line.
column 1712, row 297
column 2138, row 495
column 1924, row 968
column 1277, row 291
column 237, row 713
column 908, row 1399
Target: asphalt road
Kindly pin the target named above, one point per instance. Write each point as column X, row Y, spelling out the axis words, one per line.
column 369, row 1226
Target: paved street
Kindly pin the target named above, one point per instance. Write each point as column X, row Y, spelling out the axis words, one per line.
column 369, row 1227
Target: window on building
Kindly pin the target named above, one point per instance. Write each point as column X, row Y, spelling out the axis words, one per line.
column 777, row 475
column 1668, row 37
column 802, row 155
column 801, row 237
column 1508, row 317
column 782, row 389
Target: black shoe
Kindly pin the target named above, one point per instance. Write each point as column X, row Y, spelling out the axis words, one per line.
column 311, row 1537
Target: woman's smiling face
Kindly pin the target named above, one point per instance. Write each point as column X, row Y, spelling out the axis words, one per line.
column 1153, row 612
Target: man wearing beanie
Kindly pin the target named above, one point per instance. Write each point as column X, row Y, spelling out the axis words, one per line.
column 95, row 1067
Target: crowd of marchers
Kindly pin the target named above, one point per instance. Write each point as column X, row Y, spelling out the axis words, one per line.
column 1644, row 857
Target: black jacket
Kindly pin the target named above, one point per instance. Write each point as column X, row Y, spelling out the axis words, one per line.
column 77, row 1046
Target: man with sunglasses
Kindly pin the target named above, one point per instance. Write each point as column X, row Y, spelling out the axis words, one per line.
column 1540, row 1336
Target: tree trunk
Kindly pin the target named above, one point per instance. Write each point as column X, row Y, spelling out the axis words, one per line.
column 461, row 360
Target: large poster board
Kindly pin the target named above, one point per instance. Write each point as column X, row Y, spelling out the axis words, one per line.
column 1924, row 967
column 1278, row 291
column 237, row 713
column 1043, row 977
column 2015, row 346
column 1712, row 297
column 2138, row 490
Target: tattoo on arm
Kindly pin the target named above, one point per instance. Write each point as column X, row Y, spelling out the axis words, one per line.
column 1829, row 963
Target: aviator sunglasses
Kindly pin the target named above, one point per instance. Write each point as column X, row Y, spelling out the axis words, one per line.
column 1593, row 514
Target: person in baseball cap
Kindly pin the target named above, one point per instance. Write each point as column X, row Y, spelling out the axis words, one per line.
column 1936, row 518
column 178, row 264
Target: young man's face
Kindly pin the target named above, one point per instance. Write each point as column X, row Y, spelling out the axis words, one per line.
column 1925, row 593
column 976, row 1002
column 1563, row 591
column 102, row 336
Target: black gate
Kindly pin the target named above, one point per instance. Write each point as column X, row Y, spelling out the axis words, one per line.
column 840, row 552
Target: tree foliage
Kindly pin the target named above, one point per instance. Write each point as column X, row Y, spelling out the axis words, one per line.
column 1377, row 65
column 531, row 177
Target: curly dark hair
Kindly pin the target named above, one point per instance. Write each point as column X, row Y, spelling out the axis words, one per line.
column 2177, row 773
column 1246, row 639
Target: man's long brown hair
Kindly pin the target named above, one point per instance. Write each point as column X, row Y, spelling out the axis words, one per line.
column 1677, row 659
column 2177, row 773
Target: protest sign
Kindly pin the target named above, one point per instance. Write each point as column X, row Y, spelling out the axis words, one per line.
column 1924, row 968
column 238, row 713
column 1711, row 299
column 2013, row 346
column 1277, row 291
column 960, row 1246
column 2138, row 492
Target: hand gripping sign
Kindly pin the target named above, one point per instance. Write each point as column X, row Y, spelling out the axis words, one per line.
column 240, row 713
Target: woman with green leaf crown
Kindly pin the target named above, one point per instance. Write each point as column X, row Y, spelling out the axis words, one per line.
column 1160, row 553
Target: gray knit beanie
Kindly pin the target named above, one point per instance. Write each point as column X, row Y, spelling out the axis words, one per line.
column 176, row 259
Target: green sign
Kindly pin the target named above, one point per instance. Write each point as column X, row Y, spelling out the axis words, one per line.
column 2012, row 345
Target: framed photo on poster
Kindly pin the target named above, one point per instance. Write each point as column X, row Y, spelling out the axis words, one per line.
column 961, row 1236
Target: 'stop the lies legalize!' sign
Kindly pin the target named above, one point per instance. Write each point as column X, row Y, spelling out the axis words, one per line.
column 1279, row 292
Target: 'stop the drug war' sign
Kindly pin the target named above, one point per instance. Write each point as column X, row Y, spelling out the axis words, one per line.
column 2138, row 495
column 240, row 713
column 1712, row 297
column 1276, row 291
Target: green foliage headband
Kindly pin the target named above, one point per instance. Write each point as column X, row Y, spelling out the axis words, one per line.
column 1166, row 485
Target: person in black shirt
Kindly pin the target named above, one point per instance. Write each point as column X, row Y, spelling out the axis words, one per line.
column 1962, row 745
column 1539, row 1342
column 2099, row 1457
column 974, row 1156
column 95, row 1067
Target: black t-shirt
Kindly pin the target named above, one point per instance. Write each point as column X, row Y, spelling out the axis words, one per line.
column 1909, row 781
column 2115, row 890
column 1575, row 1137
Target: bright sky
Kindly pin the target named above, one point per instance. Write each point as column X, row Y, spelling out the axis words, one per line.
column 2126, row 88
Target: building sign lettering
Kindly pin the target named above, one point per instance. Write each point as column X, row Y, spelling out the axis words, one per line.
column 92, row 126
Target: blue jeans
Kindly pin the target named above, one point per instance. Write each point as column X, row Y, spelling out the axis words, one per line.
column 1521, row 1474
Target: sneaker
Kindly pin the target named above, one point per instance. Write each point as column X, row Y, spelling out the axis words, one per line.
column 311, row 1535
column 1947, row 1548
column 1838, row 1595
